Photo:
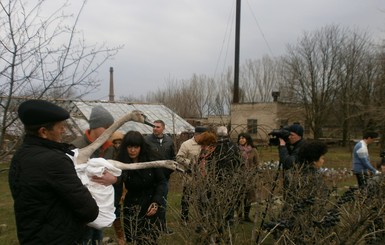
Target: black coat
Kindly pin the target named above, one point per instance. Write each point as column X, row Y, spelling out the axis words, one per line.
column 288, row 154
column 225, row 159
column 144, row 186
column 165, row 149
column 51, row 204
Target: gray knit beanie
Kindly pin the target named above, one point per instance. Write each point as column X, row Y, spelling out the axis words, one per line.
column 100, row 118
column 222, row 131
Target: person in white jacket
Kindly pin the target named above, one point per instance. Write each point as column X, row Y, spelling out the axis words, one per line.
column 187, row 154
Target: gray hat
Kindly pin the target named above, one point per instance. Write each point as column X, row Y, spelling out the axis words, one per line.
column 222, row 131
column 100, row 118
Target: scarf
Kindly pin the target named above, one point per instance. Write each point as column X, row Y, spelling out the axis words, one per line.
column 245, row 150
column 106, row 144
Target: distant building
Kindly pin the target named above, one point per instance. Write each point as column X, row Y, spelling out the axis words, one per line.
column 80, row 112
column 258, row 119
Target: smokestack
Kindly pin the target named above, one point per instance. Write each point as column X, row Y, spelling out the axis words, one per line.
column 275, row 95
column 111, row 95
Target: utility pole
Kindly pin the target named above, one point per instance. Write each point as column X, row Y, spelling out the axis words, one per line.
column 236, row 56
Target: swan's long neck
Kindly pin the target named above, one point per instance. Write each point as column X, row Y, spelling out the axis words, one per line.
column 86, row 152
column 170, row 164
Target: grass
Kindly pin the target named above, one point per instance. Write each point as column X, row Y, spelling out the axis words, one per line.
column 7, row 219
column 337, row 157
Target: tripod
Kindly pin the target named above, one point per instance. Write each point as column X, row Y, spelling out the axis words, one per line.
column 269, row 200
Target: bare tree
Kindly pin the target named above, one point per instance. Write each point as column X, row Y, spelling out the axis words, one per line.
column 188, row 98
column 359, row 69
column 43, row 55
column 201, row 87
column 379, row 93
column 201, row 95
column 177, row 96
column 259, row 79
column 310, row 69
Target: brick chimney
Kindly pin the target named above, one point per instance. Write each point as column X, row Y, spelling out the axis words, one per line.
column 111, row 95
column 275, row 95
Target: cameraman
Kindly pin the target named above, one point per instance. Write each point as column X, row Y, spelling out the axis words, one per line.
column 288, row 151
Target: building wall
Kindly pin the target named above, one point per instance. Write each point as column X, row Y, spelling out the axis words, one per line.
column 269, row 116
column 218, row 120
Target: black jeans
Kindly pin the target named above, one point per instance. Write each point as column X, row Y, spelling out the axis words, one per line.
column 185, row 202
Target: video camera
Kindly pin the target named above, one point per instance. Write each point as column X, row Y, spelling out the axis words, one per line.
column 276, row 134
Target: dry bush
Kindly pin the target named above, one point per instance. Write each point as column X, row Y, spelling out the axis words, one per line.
column 313, row 213
column 214, row 199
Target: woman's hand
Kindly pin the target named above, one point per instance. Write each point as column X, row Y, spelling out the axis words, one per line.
column 106, row 179
column 152, row 209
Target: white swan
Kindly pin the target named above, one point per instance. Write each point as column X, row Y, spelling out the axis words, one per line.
column 86, row 167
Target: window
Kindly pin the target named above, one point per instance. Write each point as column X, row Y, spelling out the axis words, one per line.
column 252, row 126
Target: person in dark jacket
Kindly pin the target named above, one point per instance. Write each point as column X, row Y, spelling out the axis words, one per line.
column 227, row 162
column 164, row 145
column 307, row 194
column 145, row 190
column 288, row 151
column 51, row 204
column 219, row 165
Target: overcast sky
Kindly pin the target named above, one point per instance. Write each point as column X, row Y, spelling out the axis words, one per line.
column 173, row 39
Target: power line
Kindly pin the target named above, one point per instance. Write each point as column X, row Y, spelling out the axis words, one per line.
column 259, row 28
column 226, row 40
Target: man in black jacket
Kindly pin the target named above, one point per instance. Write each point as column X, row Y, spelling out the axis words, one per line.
column 227, row 165
column 288, row 152
column 164, row 145
column 51, row 204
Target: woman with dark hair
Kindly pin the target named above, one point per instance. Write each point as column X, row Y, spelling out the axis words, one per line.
column 144, row 190
column 311, row 154
column 307, row 195
column 248, row 150
column 250, row 162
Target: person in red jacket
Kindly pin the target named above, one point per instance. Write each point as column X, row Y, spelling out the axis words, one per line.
column 100, row 119
column 51, row 204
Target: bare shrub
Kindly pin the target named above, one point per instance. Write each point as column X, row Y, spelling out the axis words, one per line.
column 312, row 213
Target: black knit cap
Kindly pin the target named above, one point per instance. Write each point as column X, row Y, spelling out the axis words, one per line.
column 296, row 128
column 36, row 112
column 200, row 129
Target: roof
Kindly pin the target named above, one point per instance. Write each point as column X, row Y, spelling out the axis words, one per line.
column 80, row 112
column 174, row 123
